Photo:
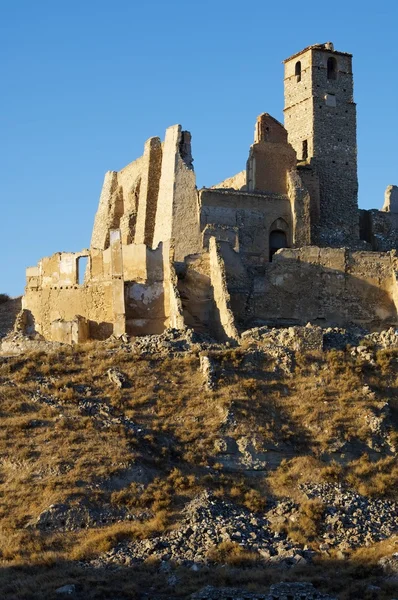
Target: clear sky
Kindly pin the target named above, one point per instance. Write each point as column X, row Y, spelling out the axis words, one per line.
column 85, row 82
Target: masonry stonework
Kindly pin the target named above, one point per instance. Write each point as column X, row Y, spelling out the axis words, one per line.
column 280, row 243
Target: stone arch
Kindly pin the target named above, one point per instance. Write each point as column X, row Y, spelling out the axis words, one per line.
column 278, row 236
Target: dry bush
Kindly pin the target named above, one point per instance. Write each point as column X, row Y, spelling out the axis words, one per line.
column 378, row 479
column 386, row 361
column 97, row 541
column 306, row 526
column 285, row 480
column 238, row 490
column 231, row 553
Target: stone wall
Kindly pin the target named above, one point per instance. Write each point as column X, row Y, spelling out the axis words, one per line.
column 326, row 286
column 379, row 229
column 236, row 182
column 270, row 158
column 177, row 216
column 320, row 117
column 223, row 314
column 127, row 288
column 244, row 218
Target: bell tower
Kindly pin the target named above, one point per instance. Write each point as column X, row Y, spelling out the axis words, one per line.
column 320, row 118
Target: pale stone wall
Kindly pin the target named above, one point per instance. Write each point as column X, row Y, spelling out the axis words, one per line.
column 148, row 194
column 301, row 209
column 270, row 158
column 127, row 288
column 194, row 288
column 70, row 332
column 391, row 199
column 224, row 316
column 172, row 300
column 236, row 182
column 64, row 303
column 177, row 215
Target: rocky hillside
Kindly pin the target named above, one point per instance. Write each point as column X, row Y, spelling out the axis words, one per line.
column 171, row 467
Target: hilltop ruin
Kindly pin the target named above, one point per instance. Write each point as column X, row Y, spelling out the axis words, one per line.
column 280, row 243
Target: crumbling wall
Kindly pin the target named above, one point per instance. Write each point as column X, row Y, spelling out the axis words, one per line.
column 270, row 158
column 236, row 182
column 148, row 193
column 144, row 290
column 76, row 331
column 172, row 300
column 391, row 199
column 118, row 200
column 224, row 317
column 127, row 288
column 196, row 295
column 52, row 303
column 177, row 215
column 380, row 229
column 326, row 286
column 310, row 181
column 245, row 217
column 301, row 209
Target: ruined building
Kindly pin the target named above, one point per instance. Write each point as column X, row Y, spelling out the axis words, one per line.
column 280, row 243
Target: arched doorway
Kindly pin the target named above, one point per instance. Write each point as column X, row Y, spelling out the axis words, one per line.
column 277, row 240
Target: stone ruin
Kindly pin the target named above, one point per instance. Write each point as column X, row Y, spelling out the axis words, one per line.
column 281, row 243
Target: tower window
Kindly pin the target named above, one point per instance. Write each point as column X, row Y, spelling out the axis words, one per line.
column 297, row 71
column 81, row 269
column 332, row 68
column 304, row 150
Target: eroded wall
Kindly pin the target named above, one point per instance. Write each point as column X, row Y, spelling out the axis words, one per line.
column 127, row 288
column 328, row 287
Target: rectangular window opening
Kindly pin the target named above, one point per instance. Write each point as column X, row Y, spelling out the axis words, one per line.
column 81, row 268
column 304, row 153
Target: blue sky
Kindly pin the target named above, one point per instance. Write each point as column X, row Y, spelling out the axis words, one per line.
column 85, row 82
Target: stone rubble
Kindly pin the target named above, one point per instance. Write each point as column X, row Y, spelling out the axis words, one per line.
column 278, row 591
column 116, row 377
column 104, row 414
column 206, row 522
column 350, row 521
column 67, row 517
column 208, row 370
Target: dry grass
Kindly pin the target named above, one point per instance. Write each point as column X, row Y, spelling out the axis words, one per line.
column 54, row 450
column 231, row 553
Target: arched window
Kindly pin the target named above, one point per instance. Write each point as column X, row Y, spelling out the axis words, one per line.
column 332, row 68
column 297, row 71
column 277, row 240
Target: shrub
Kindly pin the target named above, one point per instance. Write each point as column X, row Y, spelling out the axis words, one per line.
column 306, row 527
column 4, row 298
column 374, row 478
column 231, row 553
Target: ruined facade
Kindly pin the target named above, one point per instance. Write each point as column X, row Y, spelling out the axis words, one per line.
column 282, row 242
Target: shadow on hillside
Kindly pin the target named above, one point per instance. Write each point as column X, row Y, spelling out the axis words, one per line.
column 346, row 580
